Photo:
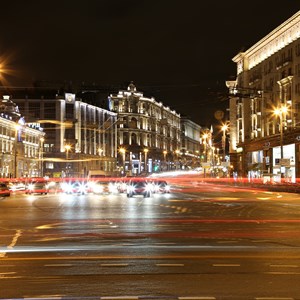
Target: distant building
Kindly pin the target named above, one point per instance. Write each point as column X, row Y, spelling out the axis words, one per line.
column 265, row 106
column 149, row 133
column 78, row 136
column 20, row 143
column 190, row 150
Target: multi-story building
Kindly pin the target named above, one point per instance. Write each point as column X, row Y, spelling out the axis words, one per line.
column 78, row 136
column 149, row 132
column 190, row 143
column 265, row 106
column 20, row 143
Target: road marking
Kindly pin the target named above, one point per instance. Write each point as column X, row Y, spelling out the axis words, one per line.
column 285, row 266
column 282, row 273
column 120, row 298
column 15, row 239
column 196, row 298
column 113, row 265
column 226, row 265
column 12, row 244
column 42, row 297
column 7, row 273
column 169, row 265
column 273, row 298
column 163, row 244
column 58, row 265
column 225, row 242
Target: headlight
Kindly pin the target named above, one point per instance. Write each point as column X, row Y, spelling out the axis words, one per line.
column 67, row 187
column 148, row 187
column 112, row 188
column 98, row 188
column 31, row 186
column 131, row 188
column 82, row 188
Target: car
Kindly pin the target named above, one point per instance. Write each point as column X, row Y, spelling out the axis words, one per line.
column 160, row 186
column 139, row 187
column 16, row 186
column 121, row 186
column 78, row 187
column 4, row 190
column 37, row 187
column 103, row 187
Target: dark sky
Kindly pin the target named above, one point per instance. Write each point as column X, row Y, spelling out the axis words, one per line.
column 179, row 51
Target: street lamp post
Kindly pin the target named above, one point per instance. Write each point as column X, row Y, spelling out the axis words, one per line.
column 280, row 112
column 224, row 129
column 67, row 148
column 177, row 159
column 146, row 161
column 165, row 161
column 17, row 127
column 123, row 152
column 42, row 155
column 204, row 142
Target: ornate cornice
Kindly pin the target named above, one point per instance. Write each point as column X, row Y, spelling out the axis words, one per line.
column 277, row 39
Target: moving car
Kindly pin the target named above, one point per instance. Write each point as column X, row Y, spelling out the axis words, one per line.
column 75, row 187
column 37, row 187
column 139, row 187
column 16, row 186
column 103, row 187
column 161, row 186
column 4, row 190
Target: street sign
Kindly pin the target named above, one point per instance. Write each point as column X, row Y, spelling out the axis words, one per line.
column 206, row 165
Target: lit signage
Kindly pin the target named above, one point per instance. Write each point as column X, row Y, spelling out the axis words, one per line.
column 70, row 98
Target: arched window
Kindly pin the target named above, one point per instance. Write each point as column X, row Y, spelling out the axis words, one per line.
column 133, row 123
column 133, row 139
column 125, row 138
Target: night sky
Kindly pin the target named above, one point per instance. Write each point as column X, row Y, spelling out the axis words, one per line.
column 179, row 52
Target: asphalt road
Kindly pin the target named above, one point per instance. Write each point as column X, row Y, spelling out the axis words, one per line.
column 201, row 241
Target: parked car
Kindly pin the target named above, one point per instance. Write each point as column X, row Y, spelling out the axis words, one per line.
column 4, row 190
column 37, row 187
column 139, row 187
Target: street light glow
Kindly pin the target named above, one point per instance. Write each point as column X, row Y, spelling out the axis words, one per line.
column 280, row 112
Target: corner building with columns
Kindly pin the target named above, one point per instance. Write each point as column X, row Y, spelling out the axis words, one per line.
column 149, row 133
column 265, row 106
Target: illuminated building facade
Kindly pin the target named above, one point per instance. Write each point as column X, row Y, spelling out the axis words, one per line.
column 265, row 106
column 20, row 143
column 190, row 144
column 79, row 137
column 149, row 133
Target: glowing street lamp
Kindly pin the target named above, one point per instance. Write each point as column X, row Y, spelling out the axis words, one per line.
column 123, row 152
column 281, row 112
column 146, row 162
column 224, row 129
column 100, row 151
column 177, row 152
column 204, row 137
column 165, row 156
column 67, row 149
